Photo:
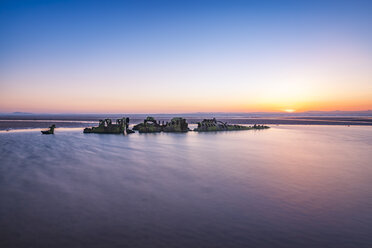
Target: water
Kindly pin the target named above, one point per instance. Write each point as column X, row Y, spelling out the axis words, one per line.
column 289, row 186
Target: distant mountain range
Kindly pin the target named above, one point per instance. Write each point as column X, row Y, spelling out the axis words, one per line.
column 21, row 113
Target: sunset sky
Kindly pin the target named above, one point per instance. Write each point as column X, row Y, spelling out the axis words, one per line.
column 185, row 56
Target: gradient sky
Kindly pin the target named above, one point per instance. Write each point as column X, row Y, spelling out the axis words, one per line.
column 185, row 56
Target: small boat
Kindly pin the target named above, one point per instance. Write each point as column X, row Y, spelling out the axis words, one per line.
column 50, row 131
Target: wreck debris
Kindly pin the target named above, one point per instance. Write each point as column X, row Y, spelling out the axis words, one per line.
column 106, row 126
column 214, row 125
column 150, row 125
column 50, row 131
column 177, row 124
column 255, row 126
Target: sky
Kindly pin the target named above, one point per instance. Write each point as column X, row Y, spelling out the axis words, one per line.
column 185, row 56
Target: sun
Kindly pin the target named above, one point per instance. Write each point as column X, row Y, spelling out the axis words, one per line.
column 289, row 110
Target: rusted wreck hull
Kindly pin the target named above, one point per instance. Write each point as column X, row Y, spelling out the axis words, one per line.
column 150, row 125
column 107, row 127
column 212, row 125
column 50, row 131
column 176, row 125
column 103, row 130
column 217, row 128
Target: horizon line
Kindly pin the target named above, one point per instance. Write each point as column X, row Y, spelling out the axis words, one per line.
column 186, row 113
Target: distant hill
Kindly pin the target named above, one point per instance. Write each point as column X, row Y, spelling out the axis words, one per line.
column 21, row 113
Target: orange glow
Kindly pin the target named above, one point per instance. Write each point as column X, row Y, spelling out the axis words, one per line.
column 188, row 100
column 181, row 105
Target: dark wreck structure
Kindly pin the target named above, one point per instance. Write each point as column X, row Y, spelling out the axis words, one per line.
column 177, row 124
column 208, row 125
column 150, row 125
column 50, row 130
column 106, row 126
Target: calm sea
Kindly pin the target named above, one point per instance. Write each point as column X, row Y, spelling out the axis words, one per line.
column 288, row 186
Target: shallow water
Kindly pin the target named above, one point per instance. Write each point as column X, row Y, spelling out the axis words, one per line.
column 289, row 186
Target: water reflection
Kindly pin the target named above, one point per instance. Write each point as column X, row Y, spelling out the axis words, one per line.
column 298, row 186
